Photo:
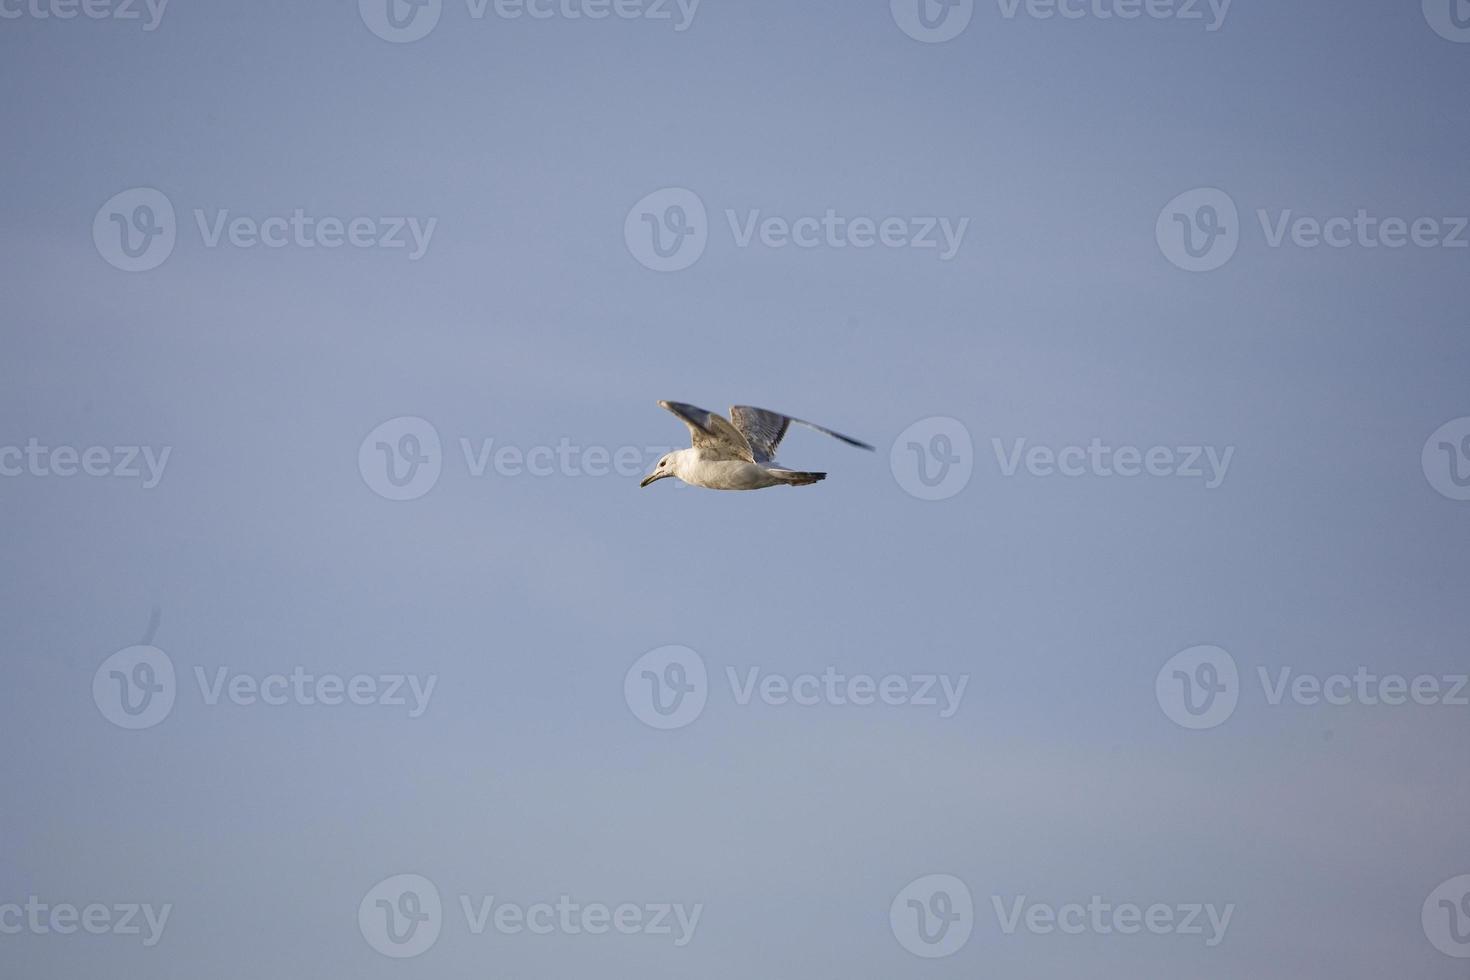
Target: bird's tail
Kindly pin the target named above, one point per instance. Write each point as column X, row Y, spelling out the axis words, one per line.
column 795, row 479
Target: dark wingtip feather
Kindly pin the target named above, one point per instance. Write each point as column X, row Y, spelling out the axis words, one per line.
column 847, row 439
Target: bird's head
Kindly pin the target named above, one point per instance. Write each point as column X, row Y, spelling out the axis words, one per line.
column 663, row 469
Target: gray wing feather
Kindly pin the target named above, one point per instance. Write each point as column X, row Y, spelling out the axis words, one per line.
column 764, row 430
column 711, row 432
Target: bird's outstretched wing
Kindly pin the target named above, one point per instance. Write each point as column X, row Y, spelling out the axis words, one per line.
column 712, row 432
column 763, row 430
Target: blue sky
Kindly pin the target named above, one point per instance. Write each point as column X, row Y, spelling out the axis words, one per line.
column 526, row 151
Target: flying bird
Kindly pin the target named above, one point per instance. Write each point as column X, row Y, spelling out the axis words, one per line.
column 738, row 453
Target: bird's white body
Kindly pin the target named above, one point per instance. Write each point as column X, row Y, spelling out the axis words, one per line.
column 701, row 468
column 738, row 454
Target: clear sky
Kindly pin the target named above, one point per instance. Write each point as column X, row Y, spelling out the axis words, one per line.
column 1027, row 257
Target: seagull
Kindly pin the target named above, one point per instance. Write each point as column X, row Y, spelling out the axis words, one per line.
column 738, row 456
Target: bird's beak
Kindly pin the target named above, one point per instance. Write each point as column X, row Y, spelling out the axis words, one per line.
column 651, row 478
